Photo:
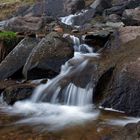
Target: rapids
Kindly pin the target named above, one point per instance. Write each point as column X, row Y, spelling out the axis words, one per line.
column 59, row 105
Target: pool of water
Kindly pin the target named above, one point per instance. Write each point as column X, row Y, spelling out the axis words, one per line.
column 100, row 128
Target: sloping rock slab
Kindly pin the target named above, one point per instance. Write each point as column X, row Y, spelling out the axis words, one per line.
column 17, row 57
column 18, row 92
column 24, row 24
column 46, row 59
column 124, row 88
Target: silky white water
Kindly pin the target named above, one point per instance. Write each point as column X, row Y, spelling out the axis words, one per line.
column 60, row 103
column 69, row 20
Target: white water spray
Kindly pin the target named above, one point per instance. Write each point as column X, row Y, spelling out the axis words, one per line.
column 69, row 20
column 61, row 103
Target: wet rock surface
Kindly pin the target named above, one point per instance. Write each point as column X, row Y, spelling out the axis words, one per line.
column 17, row 92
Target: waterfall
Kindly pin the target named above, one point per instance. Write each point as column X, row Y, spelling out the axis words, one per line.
column 69, row 20
column 71, row 94
column 60, row 102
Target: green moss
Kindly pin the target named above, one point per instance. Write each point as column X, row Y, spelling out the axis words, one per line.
column 8, row 38
column 7, row 35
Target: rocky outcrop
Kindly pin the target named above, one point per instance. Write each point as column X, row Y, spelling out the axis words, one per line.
column 72, row 6
column 6, row 46
column 132, row 16
column 120, row 6
column 83, row 17
column 62, row 8
column 24, row 24
column 17, row 92
column 100, row 5
column 121, row 93
column 16, row 59
column 46, row 59
column 97, row 39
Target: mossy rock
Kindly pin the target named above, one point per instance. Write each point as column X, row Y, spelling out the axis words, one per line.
column 8, row 40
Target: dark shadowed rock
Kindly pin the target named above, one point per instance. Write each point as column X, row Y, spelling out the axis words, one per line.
column 100, row 5
column 46, row 59
column 113, row 18
column 124, row 88
column 121, row 5
column 132, row 16
column 83, row 17
column 6, row 83
column 17, row 92
column 17, row 57
column 97, row 39
column 72, row 6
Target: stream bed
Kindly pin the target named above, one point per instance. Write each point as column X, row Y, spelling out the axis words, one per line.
column 101, row 128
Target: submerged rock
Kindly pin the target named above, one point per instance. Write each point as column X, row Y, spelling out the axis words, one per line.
column 16, row 59
column 46, row 59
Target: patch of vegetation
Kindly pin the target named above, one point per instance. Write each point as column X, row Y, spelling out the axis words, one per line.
column 9, row 38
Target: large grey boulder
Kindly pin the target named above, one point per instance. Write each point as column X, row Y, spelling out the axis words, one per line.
column 124, row 87
column 17, row 57
column 56, row 8
column 100, row 5
column 46, row 59
column 121, row 5
column 24, row 24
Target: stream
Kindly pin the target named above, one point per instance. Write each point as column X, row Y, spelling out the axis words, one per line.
column 62, row 110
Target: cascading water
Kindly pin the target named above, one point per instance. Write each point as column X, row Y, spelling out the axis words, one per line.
column 72, row 95
column 69, row 20
column 60, row 102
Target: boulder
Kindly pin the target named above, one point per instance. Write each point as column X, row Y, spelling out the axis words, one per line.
column 113, row 18
column 97, row 39
column 24, row 24
column 129, row 4
column 123, row 90
column 6, row 83
column 120, row 6
column 17, row 92
column 100, row 5
column 17, row 57
column 62, row 7
column 46, row 59
column 7, row 45
column 131, row 17
column 72, row 6
column 83, row 17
